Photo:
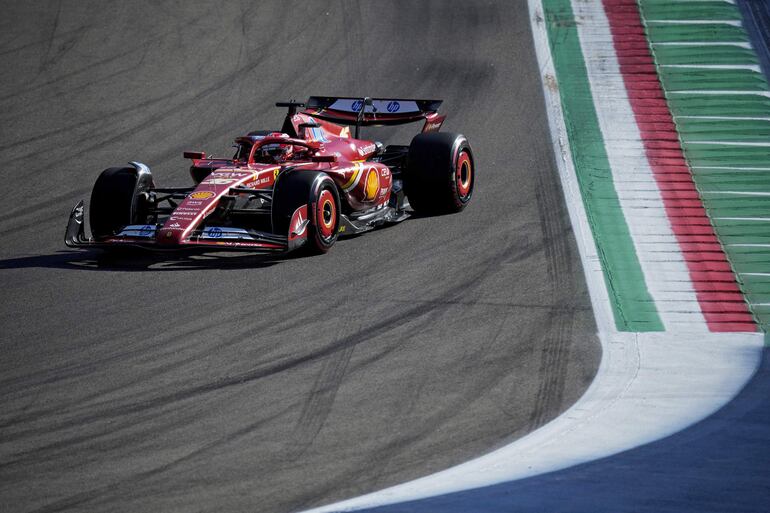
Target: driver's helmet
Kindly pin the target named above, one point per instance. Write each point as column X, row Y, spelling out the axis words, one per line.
column 275, row 153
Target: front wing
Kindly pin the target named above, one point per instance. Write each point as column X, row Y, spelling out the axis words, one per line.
column 212, row 238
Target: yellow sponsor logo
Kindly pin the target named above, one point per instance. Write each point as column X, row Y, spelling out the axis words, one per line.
column 372, row 184
column 201, row 195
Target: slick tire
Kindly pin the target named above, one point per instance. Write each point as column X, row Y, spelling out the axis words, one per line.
column 319, row 193
column 440, row 174
column 116, row 200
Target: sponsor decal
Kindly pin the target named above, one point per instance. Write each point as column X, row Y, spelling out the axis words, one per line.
column 392, row 106
column 372, row 183
column 175, row 225
column 364, row 150
column 342, row 229
column 218, row 181
column 275, row 173
column 146, row 230
column 215, row 232
column 232, row 174
column 201, row 195
column 432, row 126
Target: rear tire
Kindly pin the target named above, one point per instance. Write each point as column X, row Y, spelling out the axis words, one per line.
column 319, row 193
column 440, row 174
column 116, row 200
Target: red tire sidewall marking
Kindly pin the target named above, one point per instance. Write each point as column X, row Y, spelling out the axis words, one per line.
column 464, row 186
column 326, row 229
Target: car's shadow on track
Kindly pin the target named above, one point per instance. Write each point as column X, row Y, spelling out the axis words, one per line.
column 143, row 261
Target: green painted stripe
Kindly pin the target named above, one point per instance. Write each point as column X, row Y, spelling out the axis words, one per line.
column 756, row 266
column 694, row 54
column 685, row 79
column 719, row 105
column 713, row 164
column 724, row 155
column 758, row 227
column 632, row 305
column 667, row 10
column 724, row 171
column 717, row 33
column 724, row 130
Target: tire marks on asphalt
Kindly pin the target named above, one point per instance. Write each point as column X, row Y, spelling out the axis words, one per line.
column 558, row 246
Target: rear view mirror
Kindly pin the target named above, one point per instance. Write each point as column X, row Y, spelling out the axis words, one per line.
column 196, row 155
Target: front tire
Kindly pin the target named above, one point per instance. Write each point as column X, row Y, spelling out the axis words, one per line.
column 116, row 200
column 440, row 174
column 318, row 192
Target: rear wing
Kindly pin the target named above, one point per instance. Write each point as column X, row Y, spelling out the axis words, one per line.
column 370, row 111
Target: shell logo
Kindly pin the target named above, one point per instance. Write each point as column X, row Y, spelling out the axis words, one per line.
column 201, row 195
column 372, row 184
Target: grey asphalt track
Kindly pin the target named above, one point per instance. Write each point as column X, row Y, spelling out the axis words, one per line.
column 233, row 383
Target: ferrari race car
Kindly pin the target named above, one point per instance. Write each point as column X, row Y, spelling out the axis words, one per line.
column 301, row 187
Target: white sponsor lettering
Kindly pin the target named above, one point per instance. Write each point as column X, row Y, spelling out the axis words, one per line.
column 231, row 174
column 218, row 181
column 364, row 150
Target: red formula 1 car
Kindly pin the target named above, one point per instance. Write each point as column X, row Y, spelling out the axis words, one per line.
column 300, row 187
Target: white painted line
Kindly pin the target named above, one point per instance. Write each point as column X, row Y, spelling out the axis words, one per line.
column 733, row 168
column 763, row 219
column 702, row 1
column 754, row 274
column 748, row 245
column 726, row 118
column 748, row 67
column 734, row 23
column 757, row 144
column 722, row 92
column 740, row 44
column 737, row 193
